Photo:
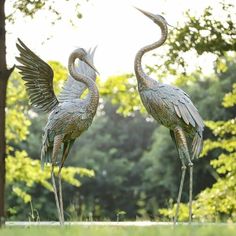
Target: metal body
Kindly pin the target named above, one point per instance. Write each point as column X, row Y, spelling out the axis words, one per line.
column 171, row 107
column 70, row 115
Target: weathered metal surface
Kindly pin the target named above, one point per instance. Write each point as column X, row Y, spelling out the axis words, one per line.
column 171, row 107
column 69, row 115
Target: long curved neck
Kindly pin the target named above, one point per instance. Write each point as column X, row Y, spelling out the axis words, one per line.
column 143, row 79
column 93, row 96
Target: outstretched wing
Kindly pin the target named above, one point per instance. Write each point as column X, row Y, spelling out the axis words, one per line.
column 39, row 78
column 72, row 88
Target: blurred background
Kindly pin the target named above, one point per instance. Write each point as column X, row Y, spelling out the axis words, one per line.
column 125, row 167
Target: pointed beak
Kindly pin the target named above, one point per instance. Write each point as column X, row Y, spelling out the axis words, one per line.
column 150, row 15
column 90, row 63
column 146, row 13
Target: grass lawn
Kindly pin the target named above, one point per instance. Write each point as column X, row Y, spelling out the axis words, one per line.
column 180, row 230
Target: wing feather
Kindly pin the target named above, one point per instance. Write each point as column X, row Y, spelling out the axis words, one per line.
column 177, row 111
column 188, row 111
column 195, row 115
column 189, row 119
column 182, row 105
column 184, row 114
column 38, row 77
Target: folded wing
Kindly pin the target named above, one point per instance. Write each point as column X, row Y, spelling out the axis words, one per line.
column 183, row 106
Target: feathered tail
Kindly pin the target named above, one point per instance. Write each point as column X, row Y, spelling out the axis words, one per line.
column 197, row 145
column 46, row 151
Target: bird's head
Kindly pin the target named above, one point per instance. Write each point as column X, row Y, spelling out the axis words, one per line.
column 158, row 19
column 84, row 56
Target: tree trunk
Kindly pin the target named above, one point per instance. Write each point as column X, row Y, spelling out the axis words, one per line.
column 4, row 75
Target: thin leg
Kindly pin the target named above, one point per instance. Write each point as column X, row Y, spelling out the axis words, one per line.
column 56, row 147
column 64, row 156
column 183, row 169
column 61, row 199
column 182, row 148
column 190, row 191
column 66, row 149
column 56, row 196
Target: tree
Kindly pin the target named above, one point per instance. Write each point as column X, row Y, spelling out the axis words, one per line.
column 121, row 89
column 4, row 76
column 27, row 8
column 199, row 36
column 218, row 202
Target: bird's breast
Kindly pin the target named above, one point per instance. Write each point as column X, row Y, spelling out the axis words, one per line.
column 159, row 108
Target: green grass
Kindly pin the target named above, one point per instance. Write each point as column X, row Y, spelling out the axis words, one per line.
column 181, row 230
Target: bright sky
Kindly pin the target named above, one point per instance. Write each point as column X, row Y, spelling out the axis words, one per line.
column 115, row 26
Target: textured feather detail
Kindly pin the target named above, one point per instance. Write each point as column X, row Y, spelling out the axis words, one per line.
column 66, row 149
column 73, row 89
column 46, row 151
column 163, row 101
column 184, row 113
column 188, row 115
column 177, row 111
column 197, row 145
column 182, row 105
column 39, row 78
column 195, row 115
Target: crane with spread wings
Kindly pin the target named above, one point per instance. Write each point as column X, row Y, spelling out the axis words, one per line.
column 69, row 114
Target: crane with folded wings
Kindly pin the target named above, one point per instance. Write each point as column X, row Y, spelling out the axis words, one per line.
column 171, row 107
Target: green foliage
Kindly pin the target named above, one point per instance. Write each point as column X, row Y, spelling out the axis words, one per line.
column 22, row 169
column 59, row 77
column 22, row 194
column 220, row 199
column 220, row 128
column 31, row 8
column 69, row 173
column 201, row 35
column 17, row 120
column 230, row 98
column 122, row 91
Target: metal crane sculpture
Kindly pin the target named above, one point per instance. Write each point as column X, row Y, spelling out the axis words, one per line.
column 171, row 107
column 69, row 115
